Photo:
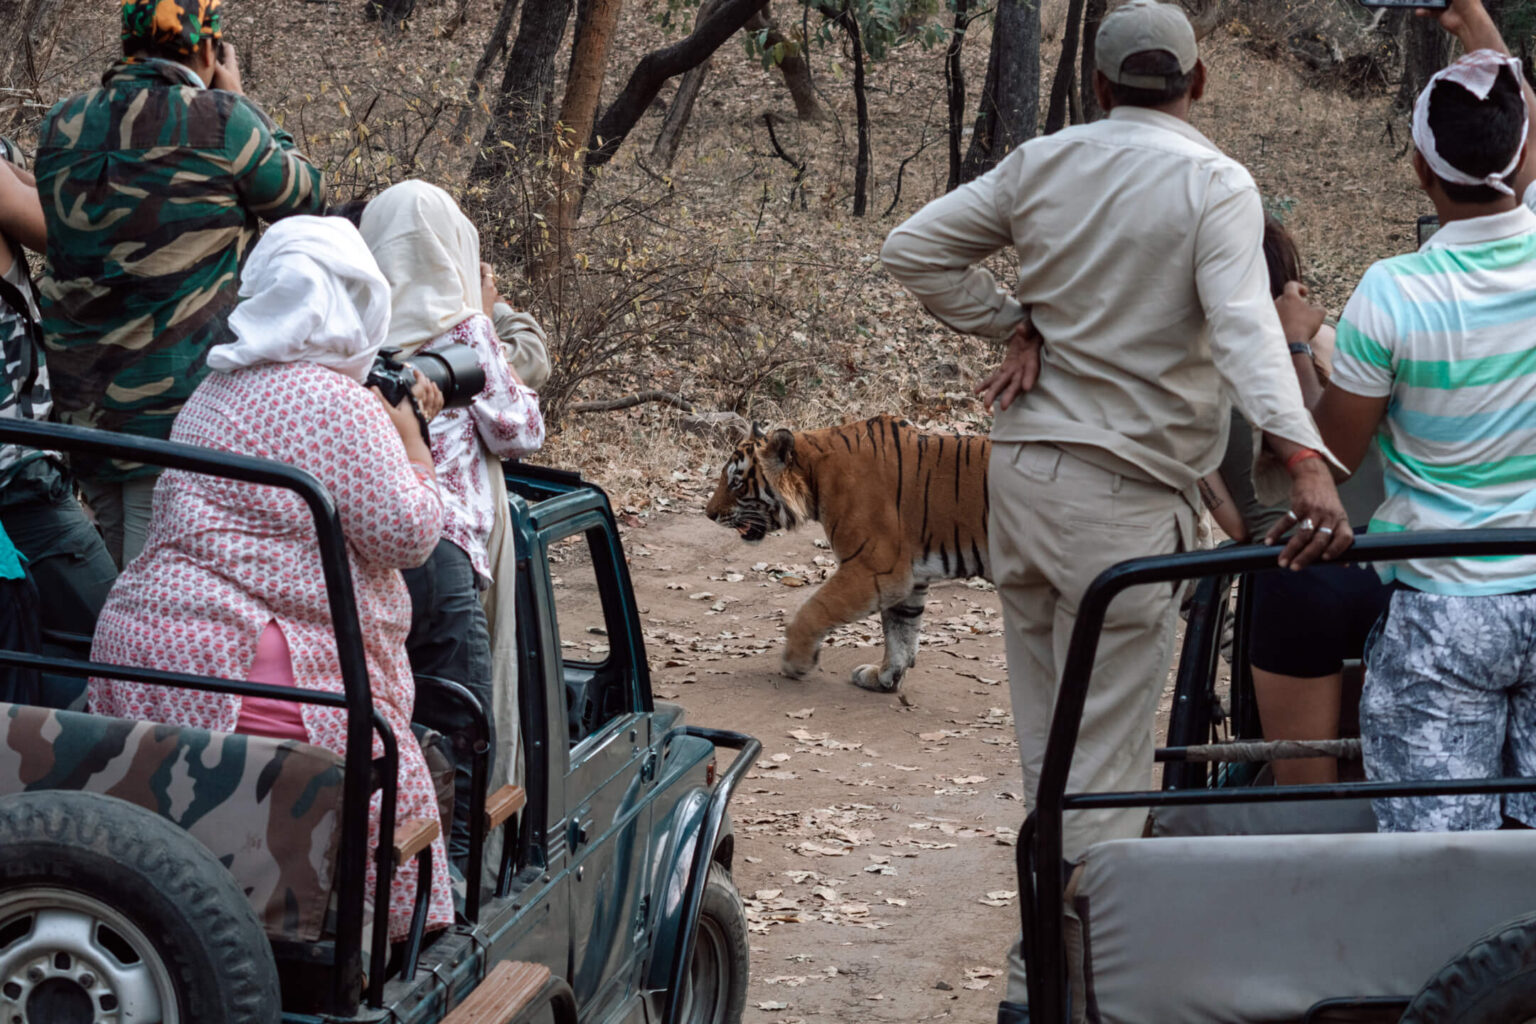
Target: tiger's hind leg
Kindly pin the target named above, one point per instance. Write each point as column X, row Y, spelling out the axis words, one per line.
column 903, row 624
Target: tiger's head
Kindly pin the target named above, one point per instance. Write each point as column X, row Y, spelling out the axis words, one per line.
column 762, row 487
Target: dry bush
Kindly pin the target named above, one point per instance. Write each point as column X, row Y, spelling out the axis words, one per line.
column 1344, row 45
column 643, row 297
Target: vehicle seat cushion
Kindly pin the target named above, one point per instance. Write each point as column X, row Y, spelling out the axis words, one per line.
column 269, row 809
column 1234, row 929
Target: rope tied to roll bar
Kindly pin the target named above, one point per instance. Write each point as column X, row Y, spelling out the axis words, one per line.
column 1250, row 751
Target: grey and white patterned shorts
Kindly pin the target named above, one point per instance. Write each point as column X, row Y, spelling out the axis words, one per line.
column 1450, row 693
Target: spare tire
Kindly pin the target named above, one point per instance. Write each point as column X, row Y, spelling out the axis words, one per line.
column 108, row 911
column 1492, row 981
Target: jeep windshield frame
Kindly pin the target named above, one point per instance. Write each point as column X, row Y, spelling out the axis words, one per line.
column 1041, row 870
column 356, row 696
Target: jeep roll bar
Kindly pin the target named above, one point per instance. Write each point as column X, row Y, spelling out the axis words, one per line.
column 356, row 697
column 1039, row 850
column 747, row 747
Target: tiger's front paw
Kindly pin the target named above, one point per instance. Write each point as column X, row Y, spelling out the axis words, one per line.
column 867, row 677
column 789, row 668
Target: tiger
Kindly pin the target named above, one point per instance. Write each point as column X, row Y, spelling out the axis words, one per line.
column 900, row 508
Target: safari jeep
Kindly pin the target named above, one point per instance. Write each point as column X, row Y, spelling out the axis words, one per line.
column 1251, row 903
column 160, row 875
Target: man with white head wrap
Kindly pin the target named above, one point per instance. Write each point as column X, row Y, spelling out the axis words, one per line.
column 1436, row 356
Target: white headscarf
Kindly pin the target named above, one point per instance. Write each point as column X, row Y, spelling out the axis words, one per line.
column 430, row 253
column 311, row 292
column 1476, row 72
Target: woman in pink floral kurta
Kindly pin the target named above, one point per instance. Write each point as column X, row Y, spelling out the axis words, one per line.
column 224, row 559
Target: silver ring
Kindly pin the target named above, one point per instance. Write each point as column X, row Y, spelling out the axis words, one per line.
column 1307, row 524
column 1325, row 529
column 1292, row 516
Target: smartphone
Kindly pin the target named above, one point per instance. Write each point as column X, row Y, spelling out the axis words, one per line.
column 1428, row 225
column 1429, row 5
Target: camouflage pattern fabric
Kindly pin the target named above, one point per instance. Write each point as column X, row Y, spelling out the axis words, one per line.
column 24, row 380
column 152, row 188
column 1450, row 693
column 179, row 25
column 269, row 809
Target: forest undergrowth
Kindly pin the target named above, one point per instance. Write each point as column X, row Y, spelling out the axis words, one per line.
column 737, row 278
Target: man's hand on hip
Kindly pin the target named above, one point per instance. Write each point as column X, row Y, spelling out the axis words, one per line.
column 1321, row 526
column 1020, row 369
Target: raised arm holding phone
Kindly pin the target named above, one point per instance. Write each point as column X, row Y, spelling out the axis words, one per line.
column 1433, row 355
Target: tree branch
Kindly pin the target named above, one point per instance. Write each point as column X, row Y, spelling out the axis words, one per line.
column 630, row 401
column 659, row 65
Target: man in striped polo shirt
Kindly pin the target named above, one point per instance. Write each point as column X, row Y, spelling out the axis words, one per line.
column 1437, row 358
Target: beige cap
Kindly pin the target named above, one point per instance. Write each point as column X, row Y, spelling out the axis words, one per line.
column 1141, row 26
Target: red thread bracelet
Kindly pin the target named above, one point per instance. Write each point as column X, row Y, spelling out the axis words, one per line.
column 1301, row 456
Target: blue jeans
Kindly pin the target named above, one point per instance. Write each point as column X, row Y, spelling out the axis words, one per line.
column 449, row 639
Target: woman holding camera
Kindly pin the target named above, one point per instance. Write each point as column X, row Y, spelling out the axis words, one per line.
column 430, row 253
column 230, row 582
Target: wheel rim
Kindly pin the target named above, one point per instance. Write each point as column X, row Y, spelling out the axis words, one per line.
column 67, row 958
column 705, row 999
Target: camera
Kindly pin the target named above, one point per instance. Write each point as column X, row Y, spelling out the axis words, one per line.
column 456, row 371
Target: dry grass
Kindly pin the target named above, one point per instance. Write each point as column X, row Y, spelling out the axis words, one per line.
column 774, row 303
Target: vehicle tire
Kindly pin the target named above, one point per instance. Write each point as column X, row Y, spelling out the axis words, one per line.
column 108, row 911
column 1492, row 981
column 717, row 975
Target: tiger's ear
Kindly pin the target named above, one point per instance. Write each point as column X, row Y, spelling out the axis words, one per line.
column 757, row 431
column 781, row 447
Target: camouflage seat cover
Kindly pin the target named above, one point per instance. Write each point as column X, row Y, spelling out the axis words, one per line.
column 269, row 809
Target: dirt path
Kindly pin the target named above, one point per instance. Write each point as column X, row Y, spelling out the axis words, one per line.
column 874, row 838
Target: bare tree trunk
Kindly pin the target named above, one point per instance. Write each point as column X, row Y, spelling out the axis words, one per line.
column 861, row 112
column 1008, row 109
column 589, row 58
column 456, row 21
column 621, row 116
column 1093, row 14
column 681, row 110
column 954, row 84
column 1426, row 50
column 671, row 134
column 391, row 12
column 527, row 84
column 796, row 72
column 1061, row 84
column 494, row 46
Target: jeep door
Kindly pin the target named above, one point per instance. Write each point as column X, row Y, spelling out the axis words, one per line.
column 605, row 708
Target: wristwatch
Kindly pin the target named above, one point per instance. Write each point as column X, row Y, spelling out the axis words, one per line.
column 1300, row 348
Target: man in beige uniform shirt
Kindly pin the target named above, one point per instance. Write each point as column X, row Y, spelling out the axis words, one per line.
column 1140, row 265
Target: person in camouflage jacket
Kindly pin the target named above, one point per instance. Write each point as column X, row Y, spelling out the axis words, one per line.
column 152, row 186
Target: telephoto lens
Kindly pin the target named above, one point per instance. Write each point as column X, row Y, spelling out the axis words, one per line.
column 455, row 370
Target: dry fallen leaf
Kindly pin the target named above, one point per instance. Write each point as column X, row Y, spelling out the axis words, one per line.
column 802, row 713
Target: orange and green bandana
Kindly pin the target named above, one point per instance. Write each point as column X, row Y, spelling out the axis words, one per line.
column 178, row 25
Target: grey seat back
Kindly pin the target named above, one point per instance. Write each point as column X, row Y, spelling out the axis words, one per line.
column 1233, row 929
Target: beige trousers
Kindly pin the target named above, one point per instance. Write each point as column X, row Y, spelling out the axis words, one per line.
column 1056, row 522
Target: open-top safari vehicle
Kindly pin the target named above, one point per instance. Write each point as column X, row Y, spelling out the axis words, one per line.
column 1254, row 902
column 161, row 875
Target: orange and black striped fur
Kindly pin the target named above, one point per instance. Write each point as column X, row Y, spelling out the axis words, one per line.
column 900, row 508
